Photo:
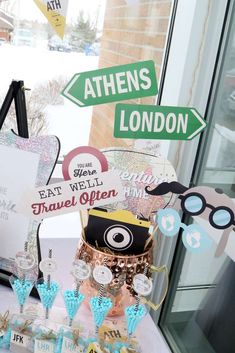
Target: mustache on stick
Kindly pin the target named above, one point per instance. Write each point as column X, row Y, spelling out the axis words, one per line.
column 165, row 187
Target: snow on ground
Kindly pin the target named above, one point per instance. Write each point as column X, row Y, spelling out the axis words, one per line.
column 38, row 65
column 34, row 65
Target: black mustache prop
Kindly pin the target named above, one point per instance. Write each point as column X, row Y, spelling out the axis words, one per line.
column 165, row 187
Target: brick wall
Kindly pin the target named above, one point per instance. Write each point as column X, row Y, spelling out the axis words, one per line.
column 130, row 34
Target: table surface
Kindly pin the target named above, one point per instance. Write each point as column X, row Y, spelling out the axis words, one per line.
column 149, row 337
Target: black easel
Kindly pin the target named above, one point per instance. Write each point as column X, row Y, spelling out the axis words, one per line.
column 16, row 92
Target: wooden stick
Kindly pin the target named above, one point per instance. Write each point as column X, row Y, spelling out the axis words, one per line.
column 83, row 230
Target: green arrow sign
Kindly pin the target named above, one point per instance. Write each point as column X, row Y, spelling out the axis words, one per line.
column 112, row 84
column 156, row 122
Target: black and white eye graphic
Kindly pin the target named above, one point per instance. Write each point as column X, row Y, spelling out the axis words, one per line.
column 118, row 237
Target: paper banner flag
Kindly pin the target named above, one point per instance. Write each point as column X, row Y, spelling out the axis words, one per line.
column 72, row 195
column 55, row 11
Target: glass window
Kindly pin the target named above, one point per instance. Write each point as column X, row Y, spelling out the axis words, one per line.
column 31, row 51
column 98, row 34
column 199, row 314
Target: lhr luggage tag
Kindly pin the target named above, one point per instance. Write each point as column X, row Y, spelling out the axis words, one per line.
column 45, row 340
column 119, row 231
column 71, row 341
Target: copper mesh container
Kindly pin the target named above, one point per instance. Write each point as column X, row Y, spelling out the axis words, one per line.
column 123, row 268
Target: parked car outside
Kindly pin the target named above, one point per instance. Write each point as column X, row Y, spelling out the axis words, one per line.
column 55, row 43
column 92, row 49
column 3, row 41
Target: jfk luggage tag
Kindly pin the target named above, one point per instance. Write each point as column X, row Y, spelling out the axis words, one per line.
column 21, row 334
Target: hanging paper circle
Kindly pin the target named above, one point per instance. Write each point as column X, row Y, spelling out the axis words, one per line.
column 102, row 274
column 24, row 260
column 81, row 270
column 142, row 284
column 195, row 239
column 48, row 266
column 168, row 221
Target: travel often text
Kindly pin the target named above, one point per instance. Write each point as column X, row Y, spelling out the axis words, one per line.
column 72, row 195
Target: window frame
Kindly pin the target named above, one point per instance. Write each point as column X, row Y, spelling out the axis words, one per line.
column 223, row 23
column 197, row 31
